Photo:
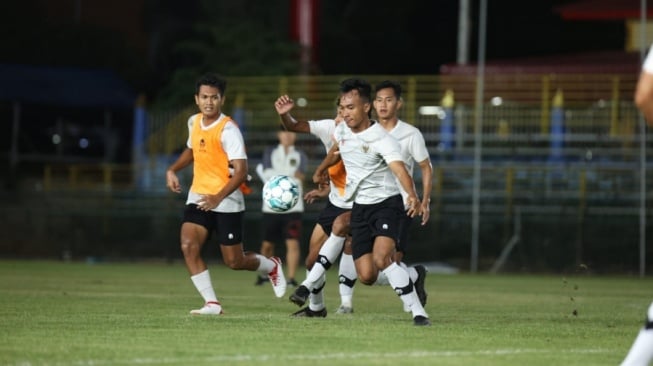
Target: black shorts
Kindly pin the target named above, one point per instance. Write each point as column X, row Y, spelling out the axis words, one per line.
column 228, row 226
column 404, row 225
column 279, row 227
column 370, row 221
column 329, row 215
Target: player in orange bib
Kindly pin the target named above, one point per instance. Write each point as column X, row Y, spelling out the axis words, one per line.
column 215, row 202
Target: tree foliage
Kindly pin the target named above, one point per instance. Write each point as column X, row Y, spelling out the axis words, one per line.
column 233, row 39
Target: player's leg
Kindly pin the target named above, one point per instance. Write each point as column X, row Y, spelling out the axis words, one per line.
column 641, row 351
column 293, row 231
column 316, row 307
column 270, row 234
column 417, row 273
column 346, row 279
column 385, row 232
column 230, row 237
column 328, row 250
column 194, row 233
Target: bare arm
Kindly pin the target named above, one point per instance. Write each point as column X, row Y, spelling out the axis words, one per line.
column 427, row 186
column 321, row 174
column 172, row 181
column 238, row 177
column 644, row 96
column 399, row 170
column 284, row 105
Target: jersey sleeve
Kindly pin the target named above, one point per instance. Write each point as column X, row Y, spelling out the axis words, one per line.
column 190, row 132
column 418, row 150
column 233, row 142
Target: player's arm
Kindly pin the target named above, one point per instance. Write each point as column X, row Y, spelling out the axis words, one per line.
column 184, row 160
column 321, row 174
column 284, row 104
column 399, row 170
column 644, row 96
column 238, row 177
column 322, row 191
column 427, row 186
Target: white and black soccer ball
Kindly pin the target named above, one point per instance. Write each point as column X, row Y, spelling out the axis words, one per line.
column 280, row 193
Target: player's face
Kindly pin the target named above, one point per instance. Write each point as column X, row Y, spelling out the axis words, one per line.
column 386, row 104
column 354, row 110
column 209, row 101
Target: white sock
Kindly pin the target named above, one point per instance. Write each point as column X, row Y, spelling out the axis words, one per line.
column 265, row 265
column 202, row 282
column 399, row 279
column 347, row 276
column 316, row 300
column 381, row 279
column 328, row 253
column 412, row 272
column 641, row 352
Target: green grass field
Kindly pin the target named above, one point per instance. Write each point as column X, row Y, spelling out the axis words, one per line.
column 55, row 313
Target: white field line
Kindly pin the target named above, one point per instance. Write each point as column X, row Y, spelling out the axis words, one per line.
column 308, row 357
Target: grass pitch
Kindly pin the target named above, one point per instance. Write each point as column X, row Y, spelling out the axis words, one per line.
column 55, row 313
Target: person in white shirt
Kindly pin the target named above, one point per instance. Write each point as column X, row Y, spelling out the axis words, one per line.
column 277, row 227
column 374, row 165
column 641, row 351
column 332, row 227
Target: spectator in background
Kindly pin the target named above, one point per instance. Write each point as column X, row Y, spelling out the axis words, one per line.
column 284, row 159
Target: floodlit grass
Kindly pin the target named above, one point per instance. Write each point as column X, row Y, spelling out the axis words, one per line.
column 55, row 313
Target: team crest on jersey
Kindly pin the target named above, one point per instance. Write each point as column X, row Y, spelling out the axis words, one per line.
column 293, row 162
column 365, row 148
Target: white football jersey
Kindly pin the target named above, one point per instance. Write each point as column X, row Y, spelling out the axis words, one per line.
column 324, row 129
column 366, row 156
column 413, row 148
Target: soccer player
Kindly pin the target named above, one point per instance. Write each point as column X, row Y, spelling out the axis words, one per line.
column 387, row 102
column 215, row 200
column 332, row 226
column 373, row 162
column 641, row 351
column 283, row 159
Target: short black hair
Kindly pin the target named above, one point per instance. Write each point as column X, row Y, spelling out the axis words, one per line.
column 389, row 84
column 214, row 80
column 362, row 86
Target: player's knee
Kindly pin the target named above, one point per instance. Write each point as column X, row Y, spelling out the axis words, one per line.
column 189, row 247
column 367, row 278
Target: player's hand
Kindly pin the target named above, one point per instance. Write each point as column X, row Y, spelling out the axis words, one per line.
column 172, row 182
column 284, row 104
column 316, row 194
column 426, row 211
column 321, row 177
column 414, row 207
column 207, row 202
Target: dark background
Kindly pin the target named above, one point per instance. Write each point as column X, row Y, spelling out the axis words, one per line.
column 158, row 46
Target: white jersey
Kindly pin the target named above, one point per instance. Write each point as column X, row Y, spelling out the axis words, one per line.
column 366, row 156
column 648, row 61
column 413, row 148
column 324, row 130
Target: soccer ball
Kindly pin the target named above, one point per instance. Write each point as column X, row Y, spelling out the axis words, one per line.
column 280, row 193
